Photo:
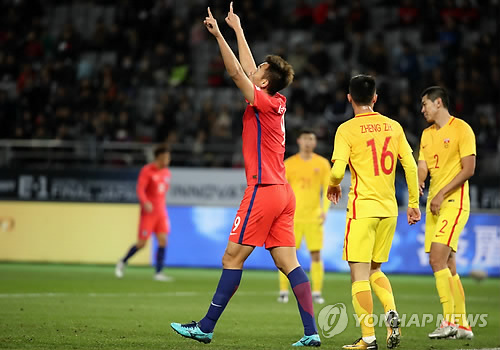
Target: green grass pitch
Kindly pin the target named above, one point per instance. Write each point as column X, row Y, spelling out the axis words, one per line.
column 85, row 307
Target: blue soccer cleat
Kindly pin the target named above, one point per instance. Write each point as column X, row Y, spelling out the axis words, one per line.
column 192, row 331
column 308, row 340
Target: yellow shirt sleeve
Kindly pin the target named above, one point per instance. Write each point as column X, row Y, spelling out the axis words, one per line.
column 467, row 144
column 410, row 168
column 337, row 172
column 404, row 146
column 326, row 182
column 421, row 149
column 342, row 147
column 288, row 166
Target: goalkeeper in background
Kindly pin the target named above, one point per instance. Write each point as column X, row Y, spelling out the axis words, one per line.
column 308, row 173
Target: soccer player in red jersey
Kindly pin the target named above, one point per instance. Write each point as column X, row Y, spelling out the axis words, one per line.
column 265, row 216
column 152, row 187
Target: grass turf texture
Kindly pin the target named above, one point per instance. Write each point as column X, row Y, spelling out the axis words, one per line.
column 90, row 309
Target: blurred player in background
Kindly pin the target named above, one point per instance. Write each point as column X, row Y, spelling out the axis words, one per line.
column 265, row 216
column 309, row 175
column 370, row 143
column 448, row 152
column 152, row 186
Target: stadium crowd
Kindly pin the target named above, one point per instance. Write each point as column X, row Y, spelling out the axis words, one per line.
column 147, row 71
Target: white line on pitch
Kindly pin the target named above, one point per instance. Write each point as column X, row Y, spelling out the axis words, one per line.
column 159, row 294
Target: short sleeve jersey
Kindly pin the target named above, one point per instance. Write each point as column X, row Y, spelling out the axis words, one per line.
column 443, row 149
column 309, row 180
column 371, row 143
column 264, row 139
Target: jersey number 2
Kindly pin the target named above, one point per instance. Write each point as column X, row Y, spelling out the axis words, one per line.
column 383, row 156
column 436, row 157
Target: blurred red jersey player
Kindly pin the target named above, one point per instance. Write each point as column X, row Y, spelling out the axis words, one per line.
column 152, row 186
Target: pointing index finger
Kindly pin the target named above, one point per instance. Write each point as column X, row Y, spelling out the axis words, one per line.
column 209, row 12
column 231, row 7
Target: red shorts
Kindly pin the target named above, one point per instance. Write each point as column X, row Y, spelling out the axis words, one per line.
column 153, row 222
column 265, row 217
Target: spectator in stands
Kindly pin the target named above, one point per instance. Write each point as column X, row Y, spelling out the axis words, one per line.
column 301, row 17
column 179, row 74
column 298, row 59
column 408, row 65
column 408, row 13
column 374, row 55
column 216, row 72
column 358, row 18
column 123, row 128
column 319, row 63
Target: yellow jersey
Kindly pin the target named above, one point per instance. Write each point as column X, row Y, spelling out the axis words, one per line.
column 309, row 180
column 370, row 143
column 443, row 149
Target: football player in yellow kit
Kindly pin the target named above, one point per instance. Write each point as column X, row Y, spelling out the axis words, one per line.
column 308, row 173
column 448, row 153
column 371, row 144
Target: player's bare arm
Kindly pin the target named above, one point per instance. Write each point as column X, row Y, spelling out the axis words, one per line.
column 423, row 171
column 468, row 168
column 231, row 63
column 245, row 54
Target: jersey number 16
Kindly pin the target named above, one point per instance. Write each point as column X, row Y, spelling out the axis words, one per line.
column 383, row 156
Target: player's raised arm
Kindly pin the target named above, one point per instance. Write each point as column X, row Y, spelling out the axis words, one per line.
column 245, row 54
column 231, row 63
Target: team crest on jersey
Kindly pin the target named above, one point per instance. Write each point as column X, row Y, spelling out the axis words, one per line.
column 316, row 170
column 155, row 177
column 446, row 142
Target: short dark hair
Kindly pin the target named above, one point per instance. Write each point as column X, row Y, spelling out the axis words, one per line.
column 362, row 89
column 159, row 150
column 306, row 131
column 434, row 92
column 279, row 73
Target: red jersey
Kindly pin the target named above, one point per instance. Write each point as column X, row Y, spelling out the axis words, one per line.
column 264, row 139
column 152, row 185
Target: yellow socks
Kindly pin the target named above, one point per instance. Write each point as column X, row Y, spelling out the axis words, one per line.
column 283, row 282
column 444, row 285
column 383, row 290
column 459, row 298
column 363, row 306
column 317, row 275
